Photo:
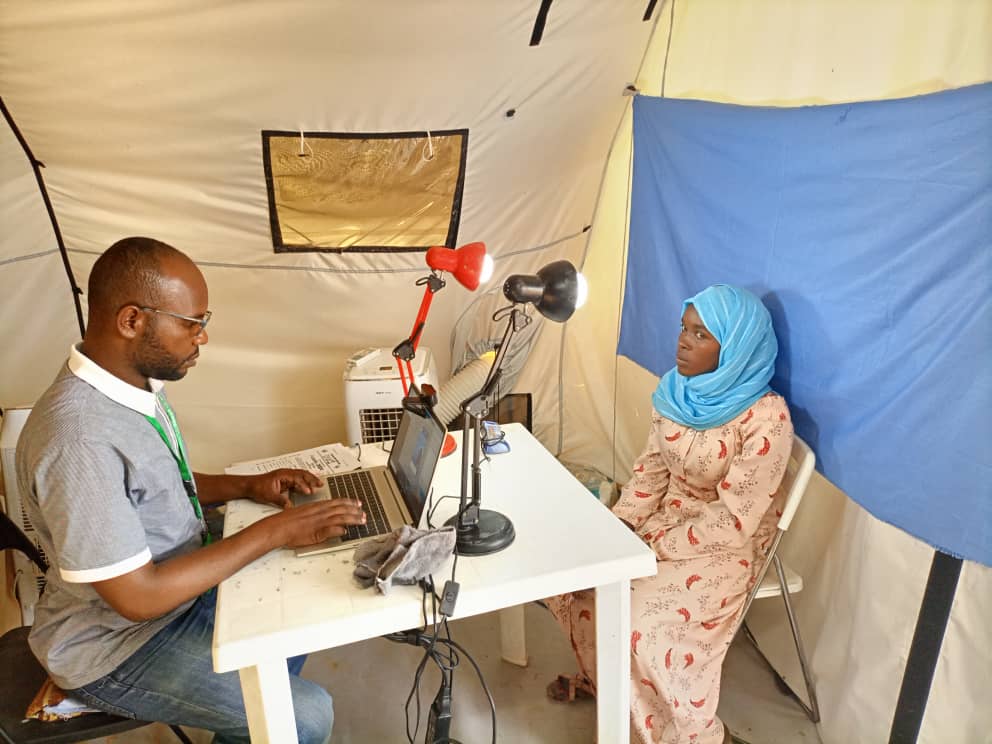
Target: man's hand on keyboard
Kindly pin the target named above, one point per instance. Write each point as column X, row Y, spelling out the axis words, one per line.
column 274, row 487
column 313, row 523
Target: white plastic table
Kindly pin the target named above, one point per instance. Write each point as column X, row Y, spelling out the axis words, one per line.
column 280, row 606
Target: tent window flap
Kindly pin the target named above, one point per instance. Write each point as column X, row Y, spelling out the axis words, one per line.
column 338, row 192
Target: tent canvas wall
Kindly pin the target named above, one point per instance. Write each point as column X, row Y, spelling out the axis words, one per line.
column 148, row 119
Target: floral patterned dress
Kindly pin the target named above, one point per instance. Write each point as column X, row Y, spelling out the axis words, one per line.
column 707, row 502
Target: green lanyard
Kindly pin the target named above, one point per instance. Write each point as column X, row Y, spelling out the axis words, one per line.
column 180, row 459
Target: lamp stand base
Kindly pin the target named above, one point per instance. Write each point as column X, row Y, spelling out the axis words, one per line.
column 491, row 534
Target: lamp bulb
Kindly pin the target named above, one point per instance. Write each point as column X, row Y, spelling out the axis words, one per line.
column 487, row 269
column 581, row 290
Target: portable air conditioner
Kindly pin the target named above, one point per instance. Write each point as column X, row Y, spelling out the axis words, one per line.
column 28, row 579
column 373, row 392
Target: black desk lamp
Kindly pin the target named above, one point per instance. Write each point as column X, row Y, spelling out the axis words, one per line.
column 556, row 291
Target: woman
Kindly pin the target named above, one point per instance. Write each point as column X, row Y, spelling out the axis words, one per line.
column 704, row 496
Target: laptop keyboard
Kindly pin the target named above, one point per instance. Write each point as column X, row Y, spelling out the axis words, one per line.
column 358, row 485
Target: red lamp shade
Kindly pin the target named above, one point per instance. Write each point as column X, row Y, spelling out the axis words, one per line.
column 465, row 263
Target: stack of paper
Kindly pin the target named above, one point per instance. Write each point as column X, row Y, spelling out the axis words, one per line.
column 325, row 460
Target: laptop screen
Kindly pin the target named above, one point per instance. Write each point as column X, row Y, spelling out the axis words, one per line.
column 414, row 457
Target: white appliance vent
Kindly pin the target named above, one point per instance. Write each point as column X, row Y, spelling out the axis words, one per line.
column 373, row 392
column 29, row 580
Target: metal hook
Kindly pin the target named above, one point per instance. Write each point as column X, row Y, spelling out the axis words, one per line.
column 304, row 143
column 428, row 152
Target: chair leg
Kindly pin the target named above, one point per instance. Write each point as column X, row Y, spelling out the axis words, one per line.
column 181, row 735
column 813, row 709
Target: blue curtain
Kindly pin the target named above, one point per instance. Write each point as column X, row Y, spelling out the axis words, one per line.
column 866, row 229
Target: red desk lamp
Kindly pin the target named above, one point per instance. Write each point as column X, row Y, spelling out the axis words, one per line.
column 469, row 265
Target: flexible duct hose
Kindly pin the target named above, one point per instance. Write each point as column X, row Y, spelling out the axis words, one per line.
column 467, row 381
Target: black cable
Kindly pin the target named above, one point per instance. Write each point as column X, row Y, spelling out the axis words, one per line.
column 485, row 687
column 414, row 689
column 430, row 513
column 443, row 651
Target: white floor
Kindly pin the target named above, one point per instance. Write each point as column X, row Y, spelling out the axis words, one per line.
column 370, row 682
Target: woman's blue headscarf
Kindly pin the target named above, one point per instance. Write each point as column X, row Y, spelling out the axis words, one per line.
column 743, row 327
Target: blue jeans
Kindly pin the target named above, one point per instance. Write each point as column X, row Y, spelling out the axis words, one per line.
column 171, row 679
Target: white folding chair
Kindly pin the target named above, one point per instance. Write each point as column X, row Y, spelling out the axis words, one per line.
column 788, row 582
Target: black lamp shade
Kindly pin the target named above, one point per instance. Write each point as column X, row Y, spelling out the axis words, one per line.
column 554, row 290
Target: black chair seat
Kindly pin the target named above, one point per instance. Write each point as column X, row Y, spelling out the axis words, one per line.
column 20, row 681
column 21, row 676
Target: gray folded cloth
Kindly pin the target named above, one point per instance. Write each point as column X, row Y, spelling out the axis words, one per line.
column 404, row 556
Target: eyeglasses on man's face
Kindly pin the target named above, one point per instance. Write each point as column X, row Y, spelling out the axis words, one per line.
column 199, row 323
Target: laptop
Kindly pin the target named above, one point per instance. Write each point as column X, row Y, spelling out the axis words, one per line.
column 391, row 496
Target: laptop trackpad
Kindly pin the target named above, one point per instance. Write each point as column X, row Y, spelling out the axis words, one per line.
column 300, row 499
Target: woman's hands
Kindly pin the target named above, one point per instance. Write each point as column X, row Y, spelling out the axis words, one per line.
column 631, row 527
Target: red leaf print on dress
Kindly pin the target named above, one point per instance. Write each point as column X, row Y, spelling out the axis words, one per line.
column 723, row 602
column 781, row 417
column 725, row 485
column 649, row 721
column 585, row 615
column 675, row 702
column 676, row 503
column 697, row 703
column 737, row 524
column 639, row 468
column 743, row 562
column 692, row 579
column 642, row 495
column 750, row 415
column 673, row 437
column 765, row 448
column 689, row 658
column 709, row 626
column 634, row 638
column 693, row 540
column 668, row 659
column 649, row 683
column 723, row 450
column 684, row 613
column 661, row 534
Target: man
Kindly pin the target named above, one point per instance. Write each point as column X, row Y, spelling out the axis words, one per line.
column 126, row 619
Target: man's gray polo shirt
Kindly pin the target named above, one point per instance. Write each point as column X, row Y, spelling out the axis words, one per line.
column 106, row 497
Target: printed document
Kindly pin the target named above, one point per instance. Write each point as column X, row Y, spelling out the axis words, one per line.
column 325, row 460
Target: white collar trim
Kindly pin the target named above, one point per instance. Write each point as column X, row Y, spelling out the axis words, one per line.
column 112, row 386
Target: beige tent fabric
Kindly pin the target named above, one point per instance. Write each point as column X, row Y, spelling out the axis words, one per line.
column 148, row 119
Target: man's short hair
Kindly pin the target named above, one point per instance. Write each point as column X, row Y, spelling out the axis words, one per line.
column 129, row 271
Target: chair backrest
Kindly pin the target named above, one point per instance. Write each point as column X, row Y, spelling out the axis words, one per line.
column 11, row 538
column 797, row 475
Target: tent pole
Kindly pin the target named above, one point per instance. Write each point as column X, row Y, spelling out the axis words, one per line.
column 37, row 165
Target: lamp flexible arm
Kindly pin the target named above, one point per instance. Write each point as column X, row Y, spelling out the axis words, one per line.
column 474, row 409
column 406, row 349
column 518, row 321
